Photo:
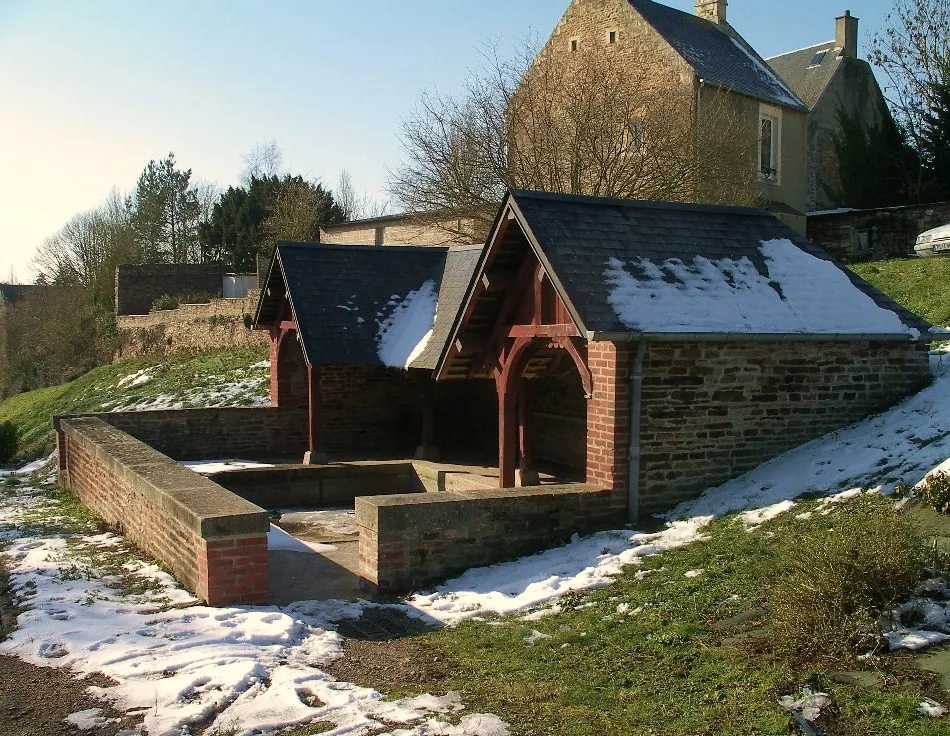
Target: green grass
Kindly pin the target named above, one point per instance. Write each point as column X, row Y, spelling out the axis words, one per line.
column 696, row 659
column 920, row 284
column 189, row 380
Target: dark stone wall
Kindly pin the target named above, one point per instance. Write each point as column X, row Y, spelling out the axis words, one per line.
column 137, row 286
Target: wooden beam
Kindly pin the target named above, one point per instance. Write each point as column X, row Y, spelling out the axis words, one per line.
column 497, row 280
column 543, row 331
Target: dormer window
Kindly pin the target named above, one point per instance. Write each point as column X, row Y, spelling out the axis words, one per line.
column 817, row 59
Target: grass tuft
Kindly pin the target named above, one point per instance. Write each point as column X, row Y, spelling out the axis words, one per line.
column 841, row 579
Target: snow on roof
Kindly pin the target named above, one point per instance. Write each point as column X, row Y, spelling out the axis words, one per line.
column 404, row 334
column 769, row 78
column 800, row 294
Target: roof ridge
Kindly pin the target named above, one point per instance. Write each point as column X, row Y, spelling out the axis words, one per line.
column 831, row 43
column 643, row 203
column 380, row 248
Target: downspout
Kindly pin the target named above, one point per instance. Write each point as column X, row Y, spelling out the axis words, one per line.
column 633, row 456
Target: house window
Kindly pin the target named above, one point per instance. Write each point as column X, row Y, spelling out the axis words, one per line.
column 770, row 137
column 865, row 241
column 575, row 43
column 612, row 37
column 817, row 59
column 636, row 134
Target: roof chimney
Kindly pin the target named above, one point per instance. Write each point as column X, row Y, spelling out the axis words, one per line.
column 846, row 34
column 714, row 10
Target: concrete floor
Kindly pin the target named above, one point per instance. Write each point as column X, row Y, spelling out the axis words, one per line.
column 331, row 573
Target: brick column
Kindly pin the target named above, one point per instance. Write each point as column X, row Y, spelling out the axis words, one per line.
column 608, row 418
column 233, row 570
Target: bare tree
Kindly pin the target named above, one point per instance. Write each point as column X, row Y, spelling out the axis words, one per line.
column 265, row 160
column 298, row 209
column 357, row 206
column 913, row 50
column 598, row 126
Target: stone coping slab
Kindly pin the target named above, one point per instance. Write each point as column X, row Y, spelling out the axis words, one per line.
column 450, row 503
column 200, row 505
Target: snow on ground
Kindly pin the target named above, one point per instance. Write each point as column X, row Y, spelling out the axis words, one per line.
column 278, row 539
column 209, row 467
column 403, row 335
column 29, row 468
column 176, row 663
column 800, row 294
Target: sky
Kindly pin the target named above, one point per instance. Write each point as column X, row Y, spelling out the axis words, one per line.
column 91, row 91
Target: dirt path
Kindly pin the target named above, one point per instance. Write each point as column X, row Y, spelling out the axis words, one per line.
column 35, row 701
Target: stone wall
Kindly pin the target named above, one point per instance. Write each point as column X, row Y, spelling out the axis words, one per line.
column 214, row 542
column 867, row 235
column 411, row 540
column 400, row 230
column 217, row 325
column 711, row 412
column 207, row 434
column 137, row 286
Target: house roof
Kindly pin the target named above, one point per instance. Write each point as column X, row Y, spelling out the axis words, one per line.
column 808, row 80
column 719, row 58
column 347, row 299
column 635, row 267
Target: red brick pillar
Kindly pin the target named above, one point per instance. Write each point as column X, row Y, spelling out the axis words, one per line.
column 233, row 570
column 274, row 342
column 608, row 417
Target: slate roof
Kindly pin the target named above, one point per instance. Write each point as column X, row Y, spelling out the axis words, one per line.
column 718, row 57
column 808, row 81
column 578, row 235
column 340, row 294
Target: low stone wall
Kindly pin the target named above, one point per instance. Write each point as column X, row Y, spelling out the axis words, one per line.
column 410, row 540
column 214, row 542
column 219, row 324
column 208, row 434
column 319, row 485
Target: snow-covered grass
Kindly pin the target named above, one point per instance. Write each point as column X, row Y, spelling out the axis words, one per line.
column 230, row 378
column 92, row 605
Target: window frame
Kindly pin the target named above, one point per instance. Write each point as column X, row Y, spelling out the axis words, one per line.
column 772, row 174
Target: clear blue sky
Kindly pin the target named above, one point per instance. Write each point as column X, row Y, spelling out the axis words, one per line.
column 91, row 91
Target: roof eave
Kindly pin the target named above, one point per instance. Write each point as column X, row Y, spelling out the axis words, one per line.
column 737, row 337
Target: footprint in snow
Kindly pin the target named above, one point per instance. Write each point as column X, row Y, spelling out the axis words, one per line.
column 52, row 650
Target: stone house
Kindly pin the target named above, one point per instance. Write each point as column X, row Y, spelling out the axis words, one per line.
column 705, row 57
column 829, row 77
column 652, row 349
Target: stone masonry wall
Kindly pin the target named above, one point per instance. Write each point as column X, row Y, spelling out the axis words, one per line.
column 198, row 328
column 714, row 411
column 214, row 542
column 370, row 410
column 225, row 432
column 137, row 286
column 864, row 235
column 411, row 540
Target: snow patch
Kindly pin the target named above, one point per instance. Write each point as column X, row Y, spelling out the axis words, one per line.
column 209, row 467
column 405, row 333
column 86, row 720
column 279, row 540
column 801, row 294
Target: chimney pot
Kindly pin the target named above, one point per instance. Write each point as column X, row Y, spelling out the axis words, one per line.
column 714, row 10
column 846, row 34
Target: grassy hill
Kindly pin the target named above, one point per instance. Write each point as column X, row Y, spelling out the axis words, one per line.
column 920, row 284
column 233, row 378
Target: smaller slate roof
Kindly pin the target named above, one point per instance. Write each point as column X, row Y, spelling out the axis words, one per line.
column 341, row 294
column 718, row 57
column 584, row 242
column 809, row 81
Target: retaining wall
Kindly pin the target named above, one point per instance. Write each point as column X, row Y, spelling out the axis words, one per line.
column 207, row 434
column 219, row 324
column 214, row 542
column 410, row 540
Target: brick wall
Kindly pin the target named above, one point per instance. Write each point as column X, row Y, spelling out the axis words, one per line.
column 714, row 411
column 608, row 418
column 214, row 542
column 204, row 434
column 137, row 286
column 864, row 235
column 411, row 540
column 198, row 328
column 369, row 409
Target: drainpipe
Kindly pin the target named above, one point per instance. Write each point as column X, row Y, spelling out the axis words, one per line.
column 633, row 456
